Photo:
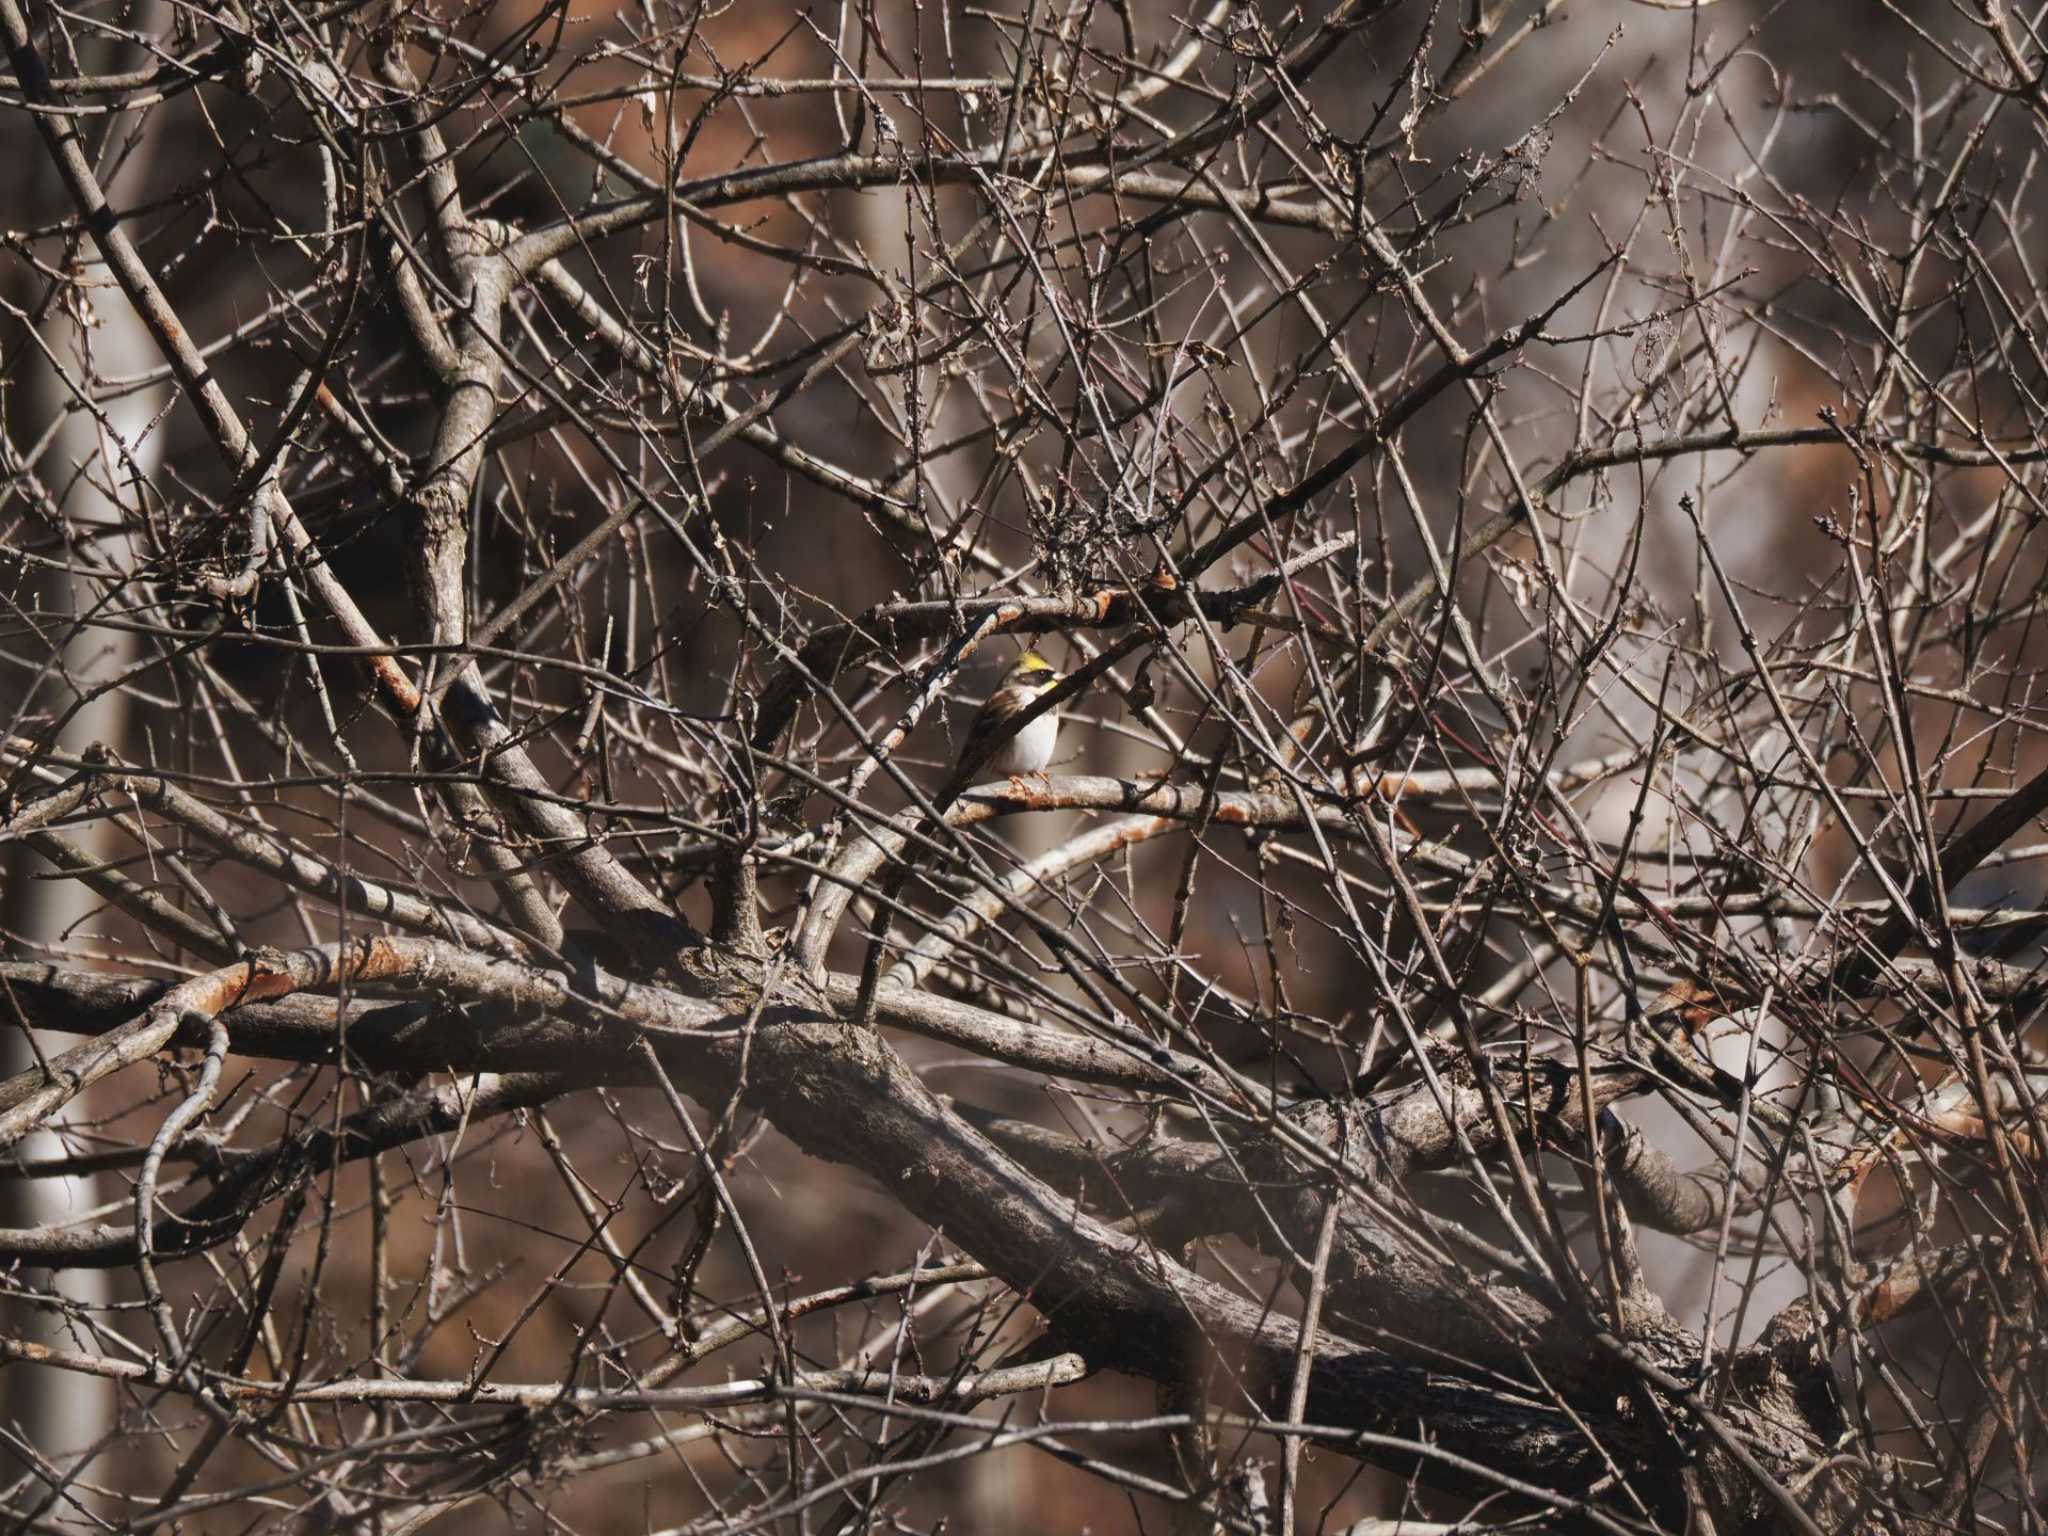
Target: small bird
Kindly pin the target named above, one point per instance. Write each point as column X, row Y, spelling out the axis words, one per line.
column 1030, row 750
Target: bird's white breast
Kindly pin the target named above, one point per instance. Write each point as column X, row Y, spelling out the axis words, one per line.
column 1030, row 750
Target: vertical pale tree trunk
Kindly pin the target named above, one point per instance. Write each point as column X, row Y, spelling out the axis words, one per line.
column 90, row 469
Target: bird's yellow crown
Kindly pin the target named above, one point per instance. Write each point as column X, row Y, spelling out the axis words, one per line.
column 1033, row 668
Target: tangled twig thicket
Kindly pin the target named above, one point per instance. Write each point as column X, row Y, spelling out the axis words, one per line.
column 1513, row 1005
